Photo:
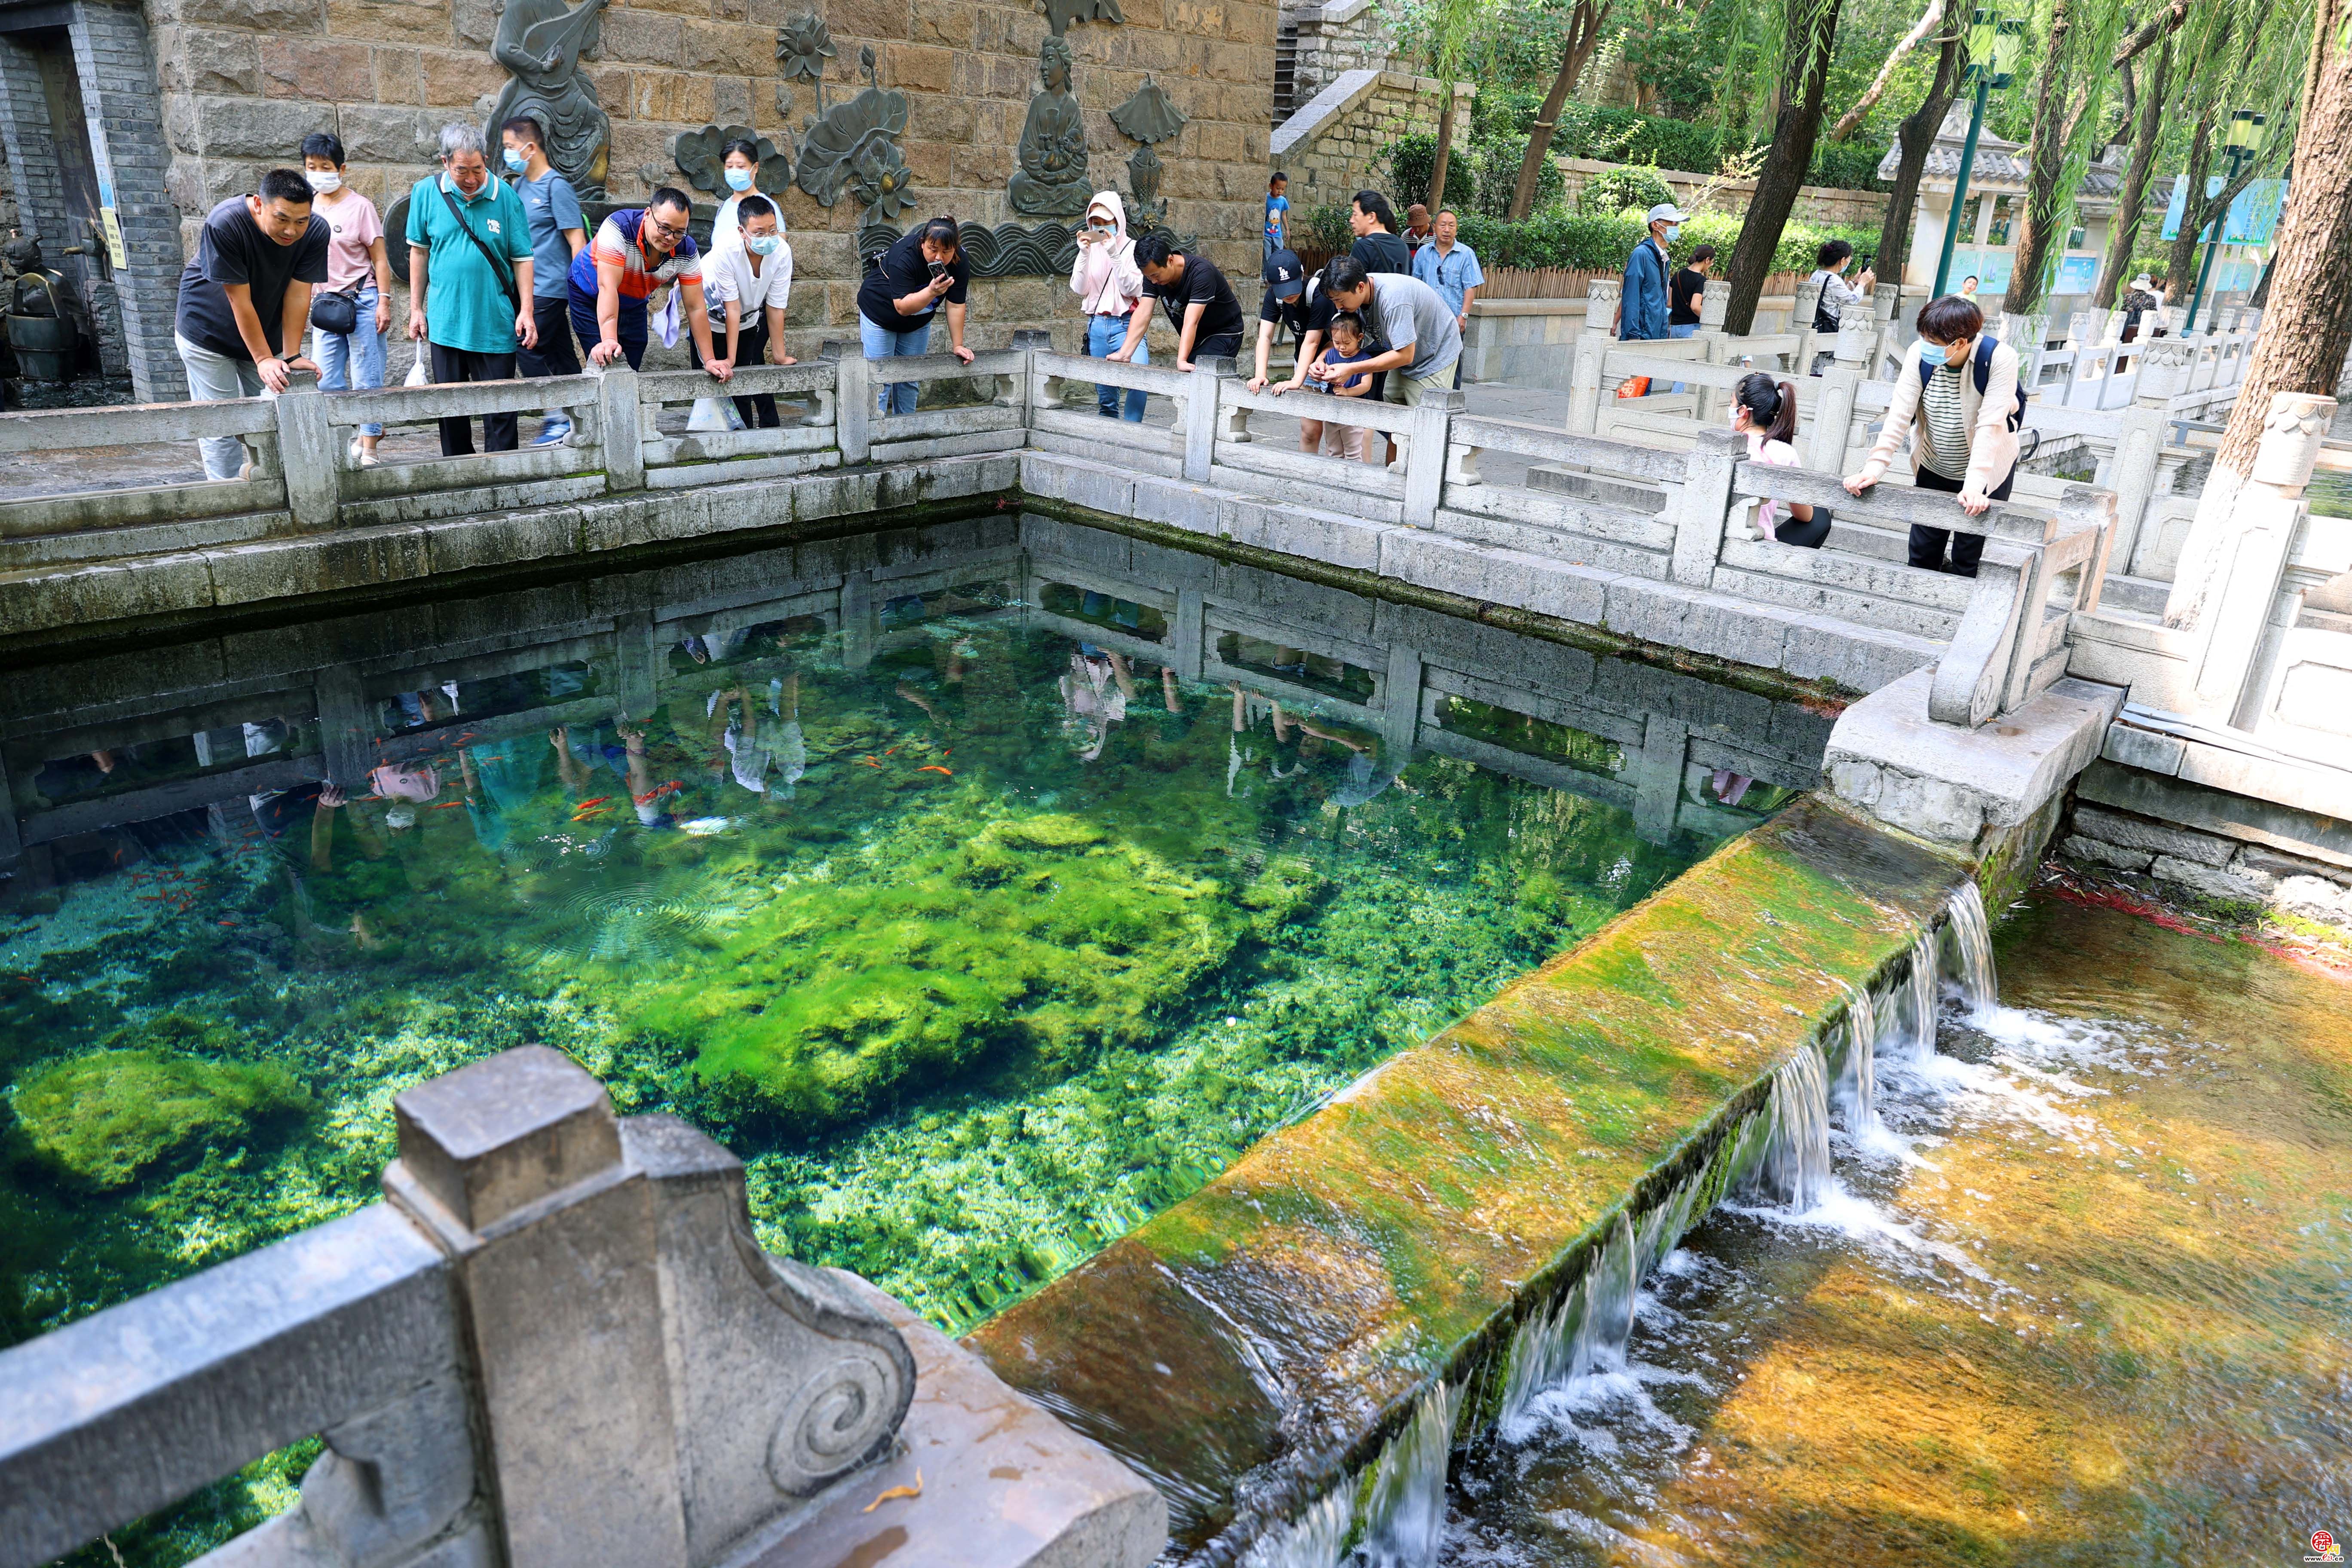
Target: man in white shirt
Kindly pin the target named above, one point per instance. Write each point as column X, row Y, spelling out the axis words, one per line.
column 746, row 282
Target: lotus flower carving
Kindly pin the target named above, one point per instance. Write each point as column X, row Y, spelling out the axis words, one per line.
column 857, row 141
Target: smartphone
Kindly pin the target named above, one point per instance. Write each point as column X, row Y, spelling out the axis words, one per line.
column 939, row 269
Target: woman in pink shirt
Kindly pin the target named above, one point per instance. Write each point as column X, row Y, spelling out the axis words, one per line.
column 357, row 265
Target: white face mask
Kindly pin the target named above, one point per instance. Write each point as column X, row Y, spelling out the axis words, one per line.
column 762, row 244
column 324, row 184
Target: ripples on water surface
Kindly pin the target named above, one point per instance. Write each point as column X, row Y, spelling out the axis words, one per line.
column 2087, row 1299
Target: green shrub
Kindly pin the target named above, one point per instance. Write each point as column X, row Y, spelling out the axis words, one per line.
column 1634, row 186
column 1323, row 229
column 1600, row 242
column 1412, row 164
column 1846, row 166
column 103, row 1118
column 1496, row 161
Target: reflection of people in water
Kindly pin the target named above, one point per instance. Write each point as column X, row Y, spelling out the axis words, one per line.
column 755, row 747
column 1296, row 743
column 332, row 801
column 407, row 786
column 1095, row 694
column 1727, row 787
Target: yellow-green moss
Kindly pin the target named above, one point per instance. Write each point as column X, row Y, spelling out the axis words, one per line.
column 106, row 1117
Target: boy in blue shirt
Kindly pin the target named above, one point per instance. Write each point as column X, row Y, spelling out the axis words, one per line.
column 1278, row 215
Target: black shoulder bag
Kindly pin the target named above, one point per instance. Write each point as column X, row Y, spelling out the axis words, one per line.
column 499, row 267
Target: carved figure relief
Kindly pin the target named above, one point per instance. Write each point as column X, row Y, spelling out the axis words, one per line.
column 1060, row 14
column 853, row 146
column 1052, row 179
column 541, row 43
column 700, row 157
column 1148, row 116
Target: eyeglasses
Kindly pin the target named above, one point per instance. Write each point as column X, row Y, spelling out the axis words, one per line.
column 661, row 230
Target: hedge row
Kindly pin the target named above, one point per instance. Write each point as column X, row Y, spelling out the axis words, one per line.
column 1601, row 242
column 1626, row 136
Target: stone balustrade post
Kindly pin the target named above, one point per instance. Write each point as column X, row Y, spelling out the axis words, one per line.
column 1425, row 441
column 2165, row 366
column 1885, row 306
column 1028, row 343
column 307, row 454
column 1202, row 400
column 1834, row 418
column 1601, row 300
column 852, row 400
column 620, row 427
column 1716, row 347
column 1703, row 512
column 1800, row 321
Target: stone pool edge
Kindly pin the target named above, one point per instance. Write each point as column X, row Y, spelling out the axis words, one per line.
column 1314, row 1304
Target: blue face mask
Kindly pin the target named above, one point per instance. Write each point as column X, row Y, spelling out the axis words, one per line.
column 1674, row 232
column 762, row 244
column 515, row 161
column 739, row 179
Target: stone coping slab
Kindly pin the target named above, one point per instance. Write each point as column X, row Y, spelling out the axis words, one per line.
column 1248, row 1347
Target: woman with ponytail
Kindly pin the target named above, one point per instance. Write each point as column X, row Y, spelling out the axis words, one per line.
column 1765, row 411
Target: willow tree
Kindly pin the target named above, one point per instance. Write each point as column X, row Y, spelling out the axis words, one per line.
column 2247, row 53
column 1585, row 21
column 2144, row 107
column 2079, row 56
column 1453, row 27
column 1915, row 138
column 2307, row 328
column 1809, row 41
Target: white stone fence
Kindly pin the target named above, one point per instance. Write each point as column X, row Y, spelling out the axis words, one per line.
column 554, row 1344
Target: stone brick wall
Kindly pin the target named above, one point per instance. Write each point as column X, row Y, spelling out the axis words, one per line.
column 2186, row 862
column 1335, row 37
column 1338, row 143
column 244, row 81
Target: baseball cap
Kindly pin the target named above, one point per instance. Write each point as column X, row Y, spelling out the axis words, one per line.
column 1668, row 211
column 1284, row 274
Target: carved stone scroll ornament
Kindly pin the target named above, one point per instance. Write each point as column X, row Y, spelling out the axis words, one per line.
column 1052, row 179
column 702, row 157
column 854, row 147
column 1008, row 250
column 541, row 43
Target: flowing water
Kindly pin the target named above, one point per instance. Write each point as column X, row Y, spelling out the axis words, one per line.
column 2088, row 1300
column 979, row 944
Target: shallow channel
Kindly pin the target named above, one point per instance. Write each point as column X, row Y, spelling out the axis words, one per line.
column 2083, row 1296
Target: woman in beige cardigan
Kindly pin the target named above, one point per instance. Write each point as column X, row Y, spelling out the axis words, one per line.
column 1957, row 400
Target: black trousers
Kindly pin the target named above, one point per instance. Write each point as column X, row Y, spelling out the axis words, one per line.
column 555, row 354
column 464, row 364
column 759, row 410
column 1968, row 548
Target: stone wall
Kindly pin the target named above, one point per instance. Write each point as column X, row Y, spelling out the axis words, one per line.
column 244, row 81
column 1339, row 143
column 1815, row 204
column 1335, row 37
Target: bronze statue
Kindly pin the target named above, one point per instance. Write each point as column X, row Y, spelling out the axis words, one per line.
column 1052, row 179
column 541, row 42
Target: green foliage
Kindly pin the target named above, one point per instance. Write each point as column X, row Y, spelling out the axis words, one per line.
column 1633, row 186
column 1412, row 164
column 1323, row 229
column 1600, row 242
column 1847, row 165
column 105, row 1116
column 1497, row 159
column 1033, row 932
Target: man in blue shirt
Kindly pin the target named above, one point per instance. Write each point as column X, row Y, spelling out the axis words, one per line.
column 1642, row 310
column 1452, row 268
column 557, row 233
column 469, row 276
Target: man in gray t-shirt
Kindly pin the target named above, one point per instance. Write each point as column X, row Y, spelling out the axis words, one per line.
column 1415, row 326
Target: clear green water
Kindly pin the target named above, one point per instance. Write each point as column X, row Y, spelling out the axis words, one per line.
column 1012, row 948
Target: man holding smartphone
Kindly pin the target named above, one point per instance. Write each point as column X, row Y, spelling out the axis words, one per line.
column 904, row 289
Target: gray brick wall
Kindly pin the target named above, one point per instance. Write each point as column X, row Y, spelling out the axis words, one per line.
column 126, row 132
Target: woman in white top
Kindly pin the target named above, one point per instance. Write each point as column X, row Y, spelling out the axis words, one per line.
column 746, row 284
column 1833, row 257
column 740, row 159
column 1765, row 411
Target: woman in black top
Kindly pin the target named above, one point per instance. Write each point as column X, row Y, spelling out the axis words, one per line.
column 903, row 289
column 1684, row 293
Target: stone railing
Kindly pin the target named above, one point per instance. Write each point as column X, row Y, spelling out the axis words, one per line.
column 1616, row 500
column 555, row 1342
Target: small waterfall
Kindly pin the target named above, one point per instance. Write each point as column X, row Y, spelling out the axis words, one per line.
column 1405, row 1507
column 1316, row 1539
column 1586, row 1327
column 1795, row 1169
column 1918, row 1002
column 1858, row 1078
column 1972, row 946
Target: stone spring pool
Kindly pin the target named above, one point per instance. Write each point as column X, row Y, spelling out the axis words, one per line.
column 977, row 943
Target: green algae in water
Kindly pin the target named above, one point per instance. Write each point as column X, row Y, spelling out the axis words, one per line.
column 105, row 1117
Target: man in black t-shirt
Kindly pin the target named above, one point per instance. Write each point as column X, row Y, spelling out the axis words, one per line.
column 1684, row 292
column 903, row 288
column 1377, row 244
column 1303, row 302
column 1201, row 304
column 245, row 301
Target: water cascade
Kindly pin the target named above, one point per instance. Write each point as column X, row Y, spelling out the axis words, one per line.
column 1917, row 1001
column 1972, row 947
column 1795, row 1170
column 1857, row 1086
column 1403, row 1498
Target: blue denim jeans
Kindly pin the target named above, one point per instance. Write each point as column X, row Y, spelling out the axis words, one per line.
column 352, row 361
column 1104, row 335
column 881, row 342
column 1681, row 330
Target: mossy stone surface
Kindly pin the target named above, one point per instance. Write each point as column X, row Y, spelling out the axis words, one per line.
column 107, row 1116
column 1355, row 1256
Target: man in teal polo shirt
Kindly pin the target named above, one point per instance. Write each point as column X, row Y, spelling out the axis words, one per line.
column 470, row 280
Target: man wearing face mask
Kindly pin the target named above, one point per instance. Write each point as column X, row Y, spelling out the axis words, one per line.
column 1959, row 402
column 1109, row 288
column 1643, row 305
column 557, row 233
column 746, row 285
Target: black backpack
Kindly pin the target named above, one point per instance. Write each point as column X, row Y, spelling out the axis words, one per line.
column 1980, row 364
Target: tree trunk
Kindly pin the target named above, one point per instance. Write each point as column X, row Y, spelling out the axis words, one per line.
column 1444, row 147
column 1804, row 77
column 2046, row 160
column 2307, row 327
column 1584, row 37
column 1913, row 138
column 2180, row 270
column 2123, row 235
column 1852, row 118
